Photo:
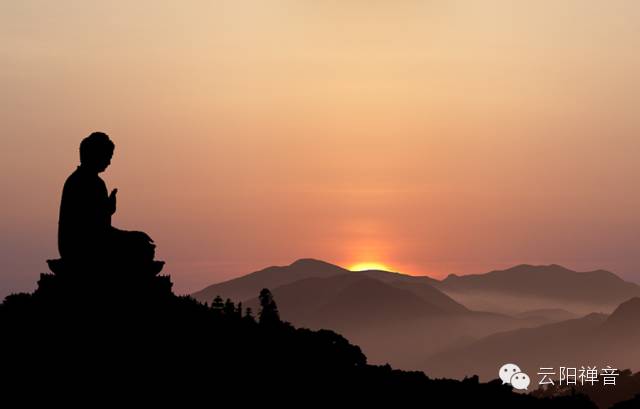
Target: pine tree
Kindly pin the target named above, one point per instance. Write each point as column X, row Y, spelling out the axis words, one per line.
column 229, row 308
column 249, row 315
column 269, row 313
column 217, row 304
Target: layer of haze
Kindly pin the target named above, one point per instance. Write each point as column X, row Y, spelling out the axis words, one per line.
column 433, row 137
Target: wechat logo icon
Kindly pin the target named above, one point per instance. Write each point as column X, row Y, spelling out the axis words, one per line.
column 511, row 374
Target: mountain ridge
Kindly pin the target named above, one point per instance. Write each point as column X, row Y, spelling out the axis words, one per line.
column 525, row 283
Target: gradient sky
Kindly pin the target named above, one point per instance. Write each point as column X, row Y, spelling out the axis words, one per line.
column 434, row 137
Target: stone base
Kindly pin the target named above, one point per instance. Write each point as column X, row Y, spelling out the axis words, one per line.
column 100, row 281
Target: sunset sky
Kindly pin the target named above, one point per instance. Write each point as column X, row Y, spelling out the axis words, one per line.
column 432, row 137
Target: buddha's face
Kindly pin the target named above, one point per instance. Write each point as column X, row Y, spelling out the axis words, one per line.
column 99, row 163
column 104, row 163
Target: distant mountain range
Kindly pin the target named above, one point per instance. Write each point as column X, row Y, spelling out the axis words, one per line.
column 526, row 287
column 407, row 320
column 247, row 286
column 594, row 340
column 520, row 289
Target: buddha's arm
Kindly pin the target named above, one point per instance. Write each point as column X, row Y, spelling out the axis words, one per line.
column 112, row 201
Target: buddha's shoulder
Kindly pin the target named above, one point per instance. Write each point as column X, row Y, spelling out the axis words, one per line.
column 81, row 179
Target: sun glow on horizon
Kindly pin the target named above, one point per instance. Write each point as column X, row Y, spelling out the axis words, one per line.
column 369, row 266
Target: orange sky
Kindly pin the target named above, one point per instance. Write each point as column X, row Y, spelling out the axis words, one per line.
column 434, row 137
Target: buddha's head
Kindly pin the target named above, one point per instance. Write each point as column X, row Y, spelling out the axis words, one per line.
column 96, row 151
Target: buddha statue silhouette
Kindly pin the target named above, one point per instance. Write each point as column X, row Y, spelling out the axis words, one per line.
column 86, row 237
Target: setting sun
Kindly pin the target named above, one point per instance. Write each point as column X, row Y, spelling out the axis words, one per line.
column 369, row 266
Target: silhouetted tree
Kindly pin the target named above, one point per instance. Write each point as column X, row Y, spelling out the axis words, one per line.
column 217, row 305
column 248, row 316
column 269, row 310
column 229, row 308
